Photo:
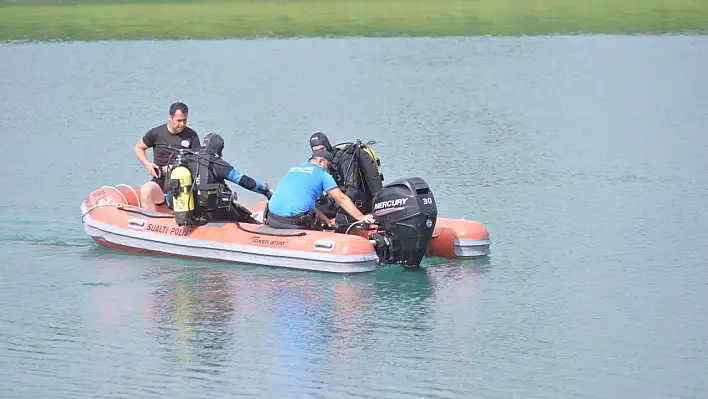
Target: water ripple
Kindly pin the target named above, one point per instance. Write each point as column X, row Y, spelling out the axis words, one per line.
column 596, row 287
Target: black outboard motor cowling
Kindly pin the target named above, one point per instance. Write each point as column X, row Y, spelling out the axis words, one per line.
column 406, row 213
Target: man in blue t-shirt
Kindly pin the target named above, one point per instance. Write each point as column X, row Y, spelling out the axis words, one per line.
column 293, row 202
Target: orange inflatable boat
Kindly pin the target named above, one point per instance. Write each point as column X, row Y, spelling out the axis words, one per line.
column 407, row 230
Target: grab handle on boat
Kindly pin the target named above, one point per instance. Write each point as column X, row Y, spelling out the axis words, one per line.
column 322, row 245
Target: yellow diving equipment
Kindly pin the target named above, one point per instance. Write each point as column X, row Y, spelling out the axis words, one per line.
column 183, row 200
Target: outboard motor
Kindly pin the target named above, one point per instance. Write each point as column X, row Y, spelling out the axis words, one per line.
column 406, row 213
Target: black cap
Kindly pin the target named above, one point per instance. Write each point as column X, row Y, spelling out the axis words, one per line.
column 214, row 143
column 322, row 154
column 320, row 138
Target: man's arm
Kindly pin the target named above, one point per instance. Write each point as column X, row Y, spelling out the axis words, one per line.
column 139, row 150
column 248, row 183
column 338, row 196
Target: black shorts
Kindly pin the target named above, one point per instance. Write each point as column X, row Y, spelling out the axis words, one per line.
column 305, row 221
column 160, row 182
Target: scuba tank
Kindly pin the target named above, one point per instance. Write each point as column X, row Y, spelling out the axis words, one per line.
column 356, row 169
column 183, row 199
column 179, row 187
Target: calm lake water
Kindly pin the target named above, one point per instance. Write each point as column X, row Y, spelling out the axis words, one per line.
column 584, row 156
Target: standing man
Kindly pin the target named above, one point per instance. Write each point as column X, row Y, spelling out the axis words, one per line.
column 159, row 139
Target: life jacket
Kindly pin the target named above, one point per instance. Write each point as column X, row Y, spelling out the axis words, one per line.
column 356, row 169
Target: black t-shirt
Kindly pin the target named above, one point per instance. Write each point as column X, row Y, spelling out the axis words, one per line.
column 159, row 138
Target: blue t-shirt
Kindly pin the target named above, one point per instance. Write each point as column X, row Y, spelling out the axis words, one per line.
column 299, row 189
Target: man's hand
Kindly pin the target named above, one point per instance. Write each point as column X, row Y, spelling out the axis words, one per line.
column 139, row 150
column 268, row 192
column 322, row 217
column 347, row 204
column 367, row 218
column 152, row 168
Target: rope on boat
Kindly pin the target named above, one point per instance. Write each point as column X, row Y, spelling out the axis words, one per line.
column 123, row 207
column 118, row 191
column 119, row 206
column 137, row 198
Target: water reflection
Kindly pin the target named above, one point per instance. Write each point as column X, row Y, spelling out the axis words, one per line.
column 351, row 327
column 463, row 276
column 112, row 303
column 116, row 324
column 278, row 328
column 192, row 316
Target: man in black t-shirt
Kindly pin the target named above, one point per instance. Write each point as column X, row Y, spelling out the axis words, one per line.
column 159, row 139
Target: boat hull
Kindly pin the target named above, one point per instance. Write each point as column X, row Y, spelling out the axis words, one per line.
column 113, row 218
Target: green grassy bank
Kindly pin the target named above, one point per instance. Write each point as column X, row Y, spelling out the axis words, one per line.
column 105, row 20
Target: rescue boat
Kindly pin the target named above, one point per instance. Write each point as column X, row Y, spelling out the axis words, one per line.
column 408, row 229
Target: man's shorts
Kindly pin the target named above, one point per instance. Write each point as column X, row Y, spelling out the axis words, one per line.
column 161, row 182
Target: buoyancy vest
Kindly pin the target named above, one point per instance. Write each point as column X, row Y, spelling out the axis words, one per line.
column 355, row 168
column 211, row 192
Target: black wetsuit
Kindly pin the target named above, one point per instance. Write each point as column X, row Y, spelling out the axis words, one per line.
column 214, row 197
